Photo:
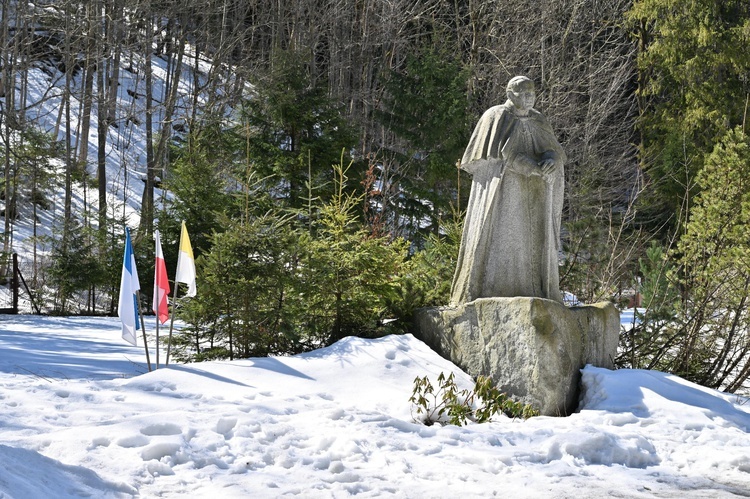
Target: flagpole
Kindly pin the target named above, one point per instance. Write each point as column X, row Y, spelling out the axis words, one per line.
column 161, row 290
column 171, row 321
column 143, row 328
column 185, row 273
column 157, row 340
column 174, row 305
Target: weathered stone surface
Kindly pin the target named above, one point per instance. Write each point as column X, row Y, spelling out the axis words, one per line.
column 532, row 348
column 511, row 236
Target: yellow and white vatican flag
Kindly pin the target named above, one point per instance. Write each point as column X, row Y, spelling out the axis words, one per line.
column 185, row 273
column 186, row 263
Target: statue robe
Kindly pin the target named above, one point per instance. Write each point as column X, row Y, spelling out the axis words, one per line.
column 511, row 235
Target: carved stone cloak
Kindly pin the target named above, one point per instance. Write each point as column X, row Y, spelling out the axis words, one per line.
column 511, row 235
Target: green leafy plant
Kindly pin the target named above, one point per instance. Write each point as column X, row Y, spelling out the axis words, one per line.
column 449, row 405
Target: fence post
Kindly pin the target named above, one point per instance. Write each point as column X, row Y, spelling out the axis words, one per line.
column 14, row 283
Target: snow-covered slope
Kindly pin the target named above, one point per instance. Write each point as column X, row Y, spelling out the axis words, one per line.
column 126, row 139
column 78, row 419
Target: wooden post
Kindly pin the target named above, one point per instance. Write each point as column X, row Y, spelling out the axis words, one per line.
column 14, row 283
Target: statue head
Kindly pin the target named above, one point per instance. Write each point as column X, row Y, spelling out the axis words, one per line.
column 521, row 93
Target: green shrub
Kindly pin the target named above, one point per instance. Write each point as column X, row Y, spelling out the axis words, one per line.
column 449, row 405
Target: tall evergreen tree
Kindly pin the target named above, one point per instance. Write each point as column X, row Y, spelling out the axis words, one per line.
column 694, row 82
column 201, row 181
column 246, row 306
column 75, row 268
column 350, row 276
column 714, row 345
column 697, row 296
column 294, row 132
column 426, row 110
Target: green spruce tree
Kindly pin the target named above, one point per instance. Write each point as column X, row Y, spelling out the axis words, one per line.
column 293, row 131
column 349, row 274
column 427, row 110
column 713, row 345
column 693, row 86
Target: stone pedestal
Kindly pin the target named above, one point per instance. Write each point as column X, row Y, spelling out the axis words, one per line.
column 532, row 348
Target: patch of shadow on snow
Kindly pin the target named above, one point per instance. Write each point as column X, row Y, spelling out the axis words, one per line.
column 623, row 391
column 275, row 365
column 27, row 473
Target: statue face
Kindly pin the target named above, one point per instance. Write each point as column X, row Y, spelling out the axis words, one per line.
column 523, row 97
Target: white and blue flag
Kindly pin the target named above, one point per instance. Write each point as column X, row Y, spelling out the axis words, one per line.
column 127, row 309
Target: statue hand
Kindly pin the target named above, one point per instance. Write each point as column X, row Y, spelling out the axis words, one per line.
column 548, row 166
column 526, row 166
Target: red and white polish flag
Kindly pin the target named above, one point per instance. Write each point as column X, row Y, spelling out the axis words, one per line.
column 161, row 283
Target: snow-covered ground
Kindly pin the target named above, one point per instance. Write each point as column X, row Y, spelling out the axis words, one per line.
column 80, row 416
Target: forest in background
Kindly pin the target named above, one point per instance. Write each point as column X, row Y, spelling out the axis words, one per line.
column 312, row 149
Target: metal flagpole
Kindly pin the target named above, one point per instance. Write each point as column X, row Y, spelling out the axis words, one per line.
column 157, row 339
column 177, row 278
column 174, row 304
column 143, row 328
column 171, row 322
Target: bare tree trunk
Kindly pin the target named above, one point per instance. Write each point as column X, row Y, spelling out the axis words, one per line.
column 69, row 163
column 160, row 155
column 147, row 201
column 90, row 65
column 102, row 115
column 5, row 118
column 114, row 32
column 101, row 158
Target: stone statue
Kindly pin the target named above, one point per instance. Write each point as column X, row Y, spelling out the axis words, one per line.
column 511, row 235
column 519, row 334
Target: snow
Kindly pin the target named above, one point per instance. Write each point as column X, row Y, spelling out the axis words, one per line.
column 629, row 317
column 80, row 416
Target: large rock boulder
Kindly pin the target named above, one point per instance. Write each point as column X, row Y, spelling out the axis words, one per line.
column 532, row 348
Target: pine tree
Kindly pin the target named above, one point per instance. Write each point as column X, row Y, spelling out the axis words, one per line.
column 427, row 110
column 714, row 343
column 349, row 274
column 693, row 86
column 248, row 305
column 294, row 132
column 201, row 181
column 75, row 267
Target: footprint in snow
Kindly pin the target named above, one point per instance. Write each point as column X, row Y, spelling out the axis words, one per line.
column 161, row 429
column 99, row 442
column 132, row 441
column 159, row 450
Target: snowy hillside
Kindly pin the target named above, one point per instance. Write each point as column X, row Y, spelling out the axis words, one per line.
column 80, row 417
column 125, row 146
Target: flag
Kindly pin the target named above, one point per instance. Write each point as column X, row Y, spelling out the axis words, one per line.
column 186, row 263
column 129, row 287
column 161, row 283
